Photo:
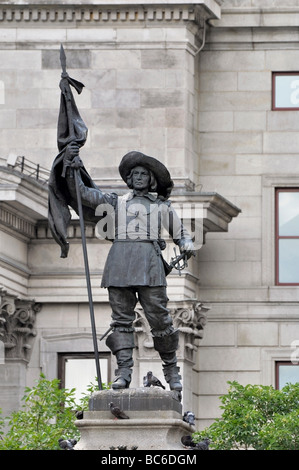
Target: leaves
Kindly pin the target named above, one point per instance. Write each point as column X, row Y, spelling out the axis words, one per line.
column 256, row 416
column 48, row 414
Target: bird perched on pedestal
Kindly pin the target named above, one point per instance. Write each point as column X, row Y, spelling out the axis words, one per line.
column 188, row 442
column 150, row 379
column 67, row 444
column 202, row 445
column 189, row 417
column 117, row 412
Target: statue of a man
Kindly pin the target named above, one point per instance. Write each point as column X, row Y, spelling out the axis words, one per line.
column 134, row 269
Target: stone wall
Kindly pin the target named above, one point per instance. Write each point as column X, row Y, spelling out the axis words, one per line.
column 139, row 65
column 246, row 150
column 192, row 86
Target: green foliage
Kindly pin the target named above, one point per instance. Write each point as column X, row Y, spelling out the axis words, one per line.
column 1, row 423
column 258, row 417
column 91, row 388
column 47, row 415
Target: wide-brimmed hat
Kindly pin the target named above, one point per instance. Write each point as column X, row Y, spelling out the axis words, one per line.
column 162, row 175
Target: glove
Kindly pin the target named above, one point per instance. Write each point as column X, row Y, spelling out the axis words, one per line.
column 72, row 151
column 71, row 157
column 187, row 247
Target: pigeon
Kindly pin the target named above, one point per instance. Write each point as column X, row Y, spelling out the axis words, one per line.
column 152, row 380
column 117, row 412
column 187, row 441
column 123, row 448
column 189, row 417
column 202, row 445
column 67, row 444
column 79, row 414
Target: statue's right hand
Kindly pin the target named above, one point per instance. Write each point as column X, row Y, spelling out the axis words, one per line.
column 72, row 151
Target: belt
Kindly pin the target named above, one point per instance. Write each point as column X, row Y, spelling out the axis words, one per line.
column 141, row 240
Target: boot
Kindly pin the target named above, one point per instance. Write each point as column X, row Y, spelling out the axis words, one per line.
column 122, row 378
column 166, row 346
column 172, row 377
column 121, row 344
column 124, row 371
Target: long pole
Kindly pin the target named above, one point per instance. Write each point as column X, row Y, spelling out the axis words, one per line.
column 68, row 95
column 87, row 274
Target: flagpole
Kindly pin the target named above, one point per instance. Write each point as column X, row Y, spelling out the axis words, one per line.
column 68, row 96
column 87, row 273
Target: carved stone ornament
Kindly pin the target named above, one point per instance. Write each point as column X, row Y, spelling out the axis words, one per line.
column 56, row 12
column 190, row 321
column 17, row 332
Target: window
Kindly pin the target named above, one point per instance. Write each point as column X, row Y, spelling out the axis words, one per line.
column 287, row 236
column 285, row 91
column 79, row 370
column 286, row 372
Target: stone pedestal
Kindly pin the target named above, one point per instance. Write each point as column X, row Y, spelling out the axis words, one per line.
column 155, row 421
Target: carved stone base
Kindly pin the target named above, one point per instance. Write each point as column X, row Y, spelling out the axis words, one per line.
column 155, row 421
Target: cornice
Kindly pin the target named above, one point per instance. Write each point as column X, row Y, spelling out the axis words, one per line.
column 16, row 222
column 23, row 194
column 91, row 14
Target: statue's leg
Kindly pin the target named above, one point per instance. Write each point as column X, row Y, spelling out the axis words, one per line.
column 166, row 345
column 121, row 340
column 166, row 338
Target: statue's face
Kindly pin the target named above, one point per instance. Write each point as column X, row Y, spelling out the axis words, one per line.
column 140, row 178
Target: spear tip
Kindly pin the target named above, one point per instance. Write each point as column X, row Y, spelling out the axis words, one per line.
column 62, row 58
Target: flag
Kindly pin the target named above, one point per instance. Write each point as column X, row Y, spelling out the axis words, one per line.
column 70, row 128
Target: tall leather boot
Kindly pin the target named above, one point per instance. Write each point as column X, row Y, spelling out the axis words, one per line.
column 121, row 344
column 166, row 346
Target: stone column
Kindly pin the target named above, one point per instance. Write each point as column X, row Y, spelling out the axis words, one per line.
column 189, row 318
column 17, row 333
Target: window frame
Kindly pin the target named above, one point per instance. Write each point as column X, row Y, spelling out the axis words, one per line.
column 63, row 356
column 274, row 107
column 281, row 363
column 282, row 237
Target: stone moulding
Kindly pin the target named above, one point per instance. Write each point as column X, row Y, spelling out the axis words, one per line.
column 17, row 223
column 103, row 14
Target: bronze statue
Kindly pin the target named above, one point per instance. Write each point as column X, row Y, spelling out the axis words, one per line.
column 135, row 268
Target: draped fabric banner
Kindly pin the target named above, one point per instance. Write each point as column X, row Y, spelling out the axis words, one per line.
column 71, row 128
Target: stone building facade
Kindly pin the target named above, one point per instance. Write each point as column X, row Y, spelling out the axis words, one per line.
column 190, row 83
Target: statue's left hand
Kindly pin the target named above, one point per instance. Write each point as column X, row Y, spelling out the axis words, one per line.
column 187, row 247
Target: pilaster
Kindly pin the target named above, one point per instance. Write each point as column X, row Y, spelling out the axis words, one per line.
column 17, row 326
column 17, row 336
column 190, row 319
